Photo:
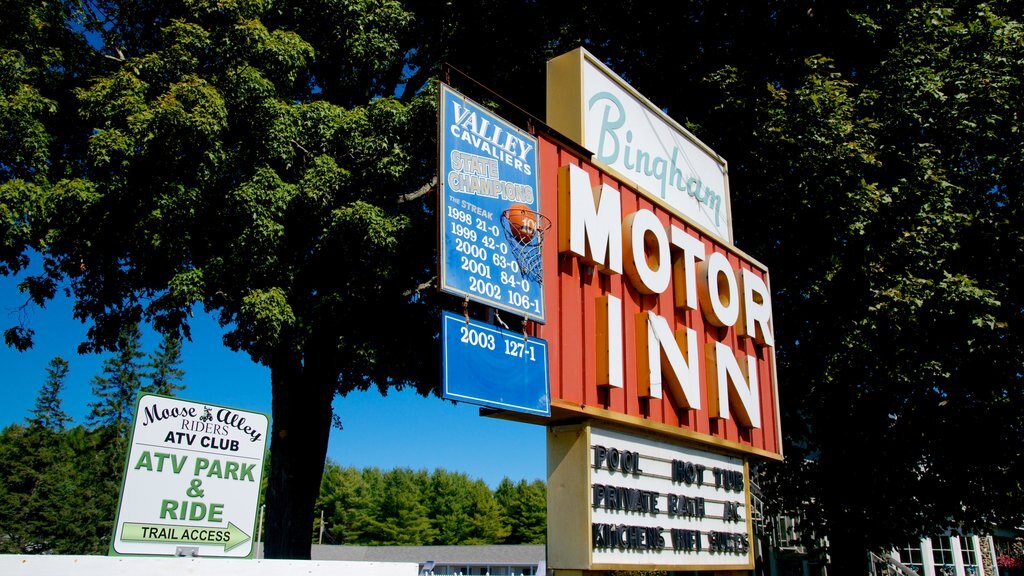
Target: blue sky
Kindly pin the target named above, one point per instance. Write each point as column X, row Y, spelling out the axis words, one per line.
column 400, row 430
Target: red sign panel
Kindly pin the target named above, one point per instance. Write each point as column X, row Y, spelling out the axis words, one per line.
column 652, row 322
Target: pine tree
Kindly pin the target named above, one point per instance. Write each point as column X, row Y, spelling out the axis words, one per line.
column 402, row 517
column 343, row 499
column 488, row 525
column 533, row 526
column 111, row 419
column 47, row 481
column 48, row 413
column 525, row 506
column 17, row 480
column 367, row 512
column 448, row 504
column 162, row 368
column 116, row 389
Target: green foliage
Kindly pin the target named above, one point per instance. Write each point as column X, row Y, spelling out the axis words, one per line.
column 376, row 508
column 524, row 505
column 59, row 487
column 38, row 486
column 488, row 523
column 49, row 413
column 162, row 368
column 883, row 183
column 344, row 498
column 53, row 492
column 448, row 502
column 401, row 514
column 464, row 511
column 116, row 390
column 243, row 155
column 405, row 507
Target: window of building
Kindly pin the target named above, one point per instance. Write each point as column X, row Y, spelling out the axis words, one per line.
column 942, row 554
column 911, row 556
column 969, row 556
column 786, row 532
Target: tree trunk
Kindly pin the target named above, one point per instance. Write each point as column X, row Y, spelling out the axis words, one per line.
column 300, row 430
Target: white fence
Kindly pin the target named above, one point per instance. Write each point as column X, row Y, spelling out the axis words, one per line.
column 130, row 566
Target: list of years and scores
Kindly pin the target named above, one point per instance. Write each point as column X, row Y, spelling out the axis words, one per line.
column 483, row 256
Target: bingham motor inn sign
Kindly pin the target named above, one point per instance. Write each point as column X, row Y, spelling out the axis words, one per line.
column 660, row 333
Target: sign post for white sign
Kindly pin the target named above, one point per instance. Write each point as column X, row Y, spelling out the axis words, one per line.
column 192, row 480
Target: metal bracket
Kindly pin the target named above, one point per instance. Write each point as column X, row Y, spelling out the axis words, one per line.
column 187, row 551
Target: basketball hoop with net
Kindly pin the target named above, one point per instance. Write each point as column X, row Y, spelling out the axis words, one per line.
column 524, row 232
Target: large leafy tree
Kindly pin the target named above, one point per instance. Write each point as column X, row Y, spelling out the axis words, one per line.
column 41, row 62
column 219, row 163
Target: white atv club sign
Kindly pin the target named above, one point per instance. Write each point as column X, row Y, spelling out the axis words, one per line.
column 192, row 480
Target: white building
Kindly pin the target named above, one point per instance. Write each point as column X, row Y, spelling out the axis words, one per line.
column 950, row 555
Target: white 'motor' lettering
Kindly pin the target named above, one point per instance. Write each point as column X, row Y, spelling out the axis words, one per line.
column 587, row 218
column 718, row 292
column 757, row 309
column 636, row 229
column 684, row 270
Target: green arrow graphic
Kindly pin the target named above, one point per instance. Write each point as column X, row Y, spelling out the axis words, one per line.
column 230, row 537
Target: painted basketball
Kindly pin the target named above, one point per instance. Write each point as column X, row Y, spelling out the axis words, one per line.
column 523, row 222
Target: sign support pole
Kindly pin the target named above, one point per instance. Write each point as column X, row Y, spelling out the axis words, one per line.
column 259, row 533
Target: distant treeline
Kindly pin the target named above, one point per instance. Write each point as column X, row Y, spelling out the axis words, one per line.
column 406, row 507
column 60, row 484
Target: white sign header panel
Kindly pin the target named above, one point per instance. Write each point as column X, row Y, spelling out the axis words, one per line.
column 638, row 141
column 192, row 479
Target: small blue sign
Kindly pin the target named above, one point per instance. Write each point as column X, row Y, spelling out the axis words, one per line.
column 483, row 364
column 488, row 166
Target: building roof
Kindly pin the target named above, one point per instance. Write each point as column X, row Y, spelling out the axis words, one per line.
column 494, row 554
